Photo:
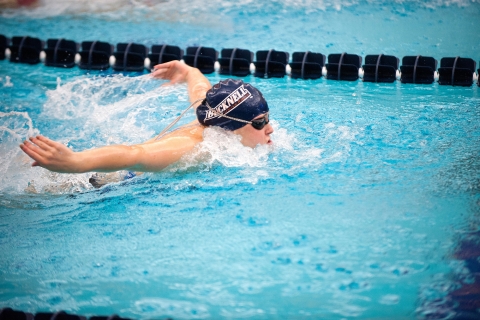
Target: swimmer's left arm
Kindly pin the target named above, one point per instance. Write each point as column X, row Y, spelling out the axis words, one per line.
column 57, row 157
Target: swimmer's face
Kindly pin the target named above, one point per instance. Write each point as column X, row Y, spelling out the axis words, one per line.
column 252, row 137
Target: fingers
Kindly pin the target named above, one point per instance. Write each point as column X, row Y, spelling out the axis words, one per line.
column 42, row 143
column 161, row 70
column 31, row 150
column 47, row 141
column 46, row 153
column 175, row 71
column 158, row 67
column 165, row 65
column 38, row 148
column 159, row 73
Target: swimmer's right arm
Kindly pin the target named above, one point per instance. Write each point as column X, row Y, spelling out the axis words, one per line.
column 57, row 157
column 179, row 72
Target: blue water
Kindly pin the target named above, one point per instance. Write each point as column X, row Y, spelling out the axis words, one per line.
column 357, row 211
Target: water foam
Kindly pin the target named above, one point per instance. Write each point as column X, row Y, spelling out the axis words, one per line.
column 226, row 148
column 7, row 82
column 331, row 145
column 288, row 154
column 89, row 112
column 14, row 129
column 116, row 108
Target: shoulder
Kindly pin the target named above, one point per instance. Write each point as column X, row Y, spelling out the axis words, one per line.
column 187, row 135
column 193, row 130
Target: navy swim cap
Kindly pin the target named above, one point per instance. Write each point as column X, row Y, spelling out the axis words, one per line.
column 232, row 98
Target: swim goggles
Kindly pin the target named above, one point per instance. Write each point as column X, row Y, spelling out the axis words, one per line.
column 258, row 124
column 261, row 122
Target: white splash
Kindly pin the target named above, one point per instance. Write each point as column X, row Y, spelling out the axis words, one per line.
column 8, row 82
column 16, row 173
column 14, row 129
column 287, row 154
column 92, row 112
column 224, row 147
column 111, row 107
column 333, row 145
column 390, row 299
column 341, row 137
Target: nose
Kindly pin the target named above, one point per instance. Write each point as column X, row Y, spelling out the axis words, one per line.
column 269, row 129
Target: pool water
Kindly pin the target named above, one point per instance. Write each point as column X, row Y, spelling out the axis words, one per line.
column 359, row 210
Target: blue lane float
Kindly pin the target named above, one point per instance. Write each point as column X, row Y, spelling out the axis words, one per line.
column 4, row 44
column 112, row 317
column 418, row 69
column 202, row 58
column 235, row 62
column 26, row 50
column 164, row 53
column 271, row 64
column 95, row 55
column 10, row 314
column 380, row 68
column 130, row 57
column 307, row 65
column 60, row 315
column 343, row 66
column 60, row 53
column 456, row 71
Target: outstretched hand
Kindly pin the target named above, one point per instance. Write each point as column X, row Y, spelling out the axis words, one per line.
column 175, row 71
column 178, row 72
column 49, row 154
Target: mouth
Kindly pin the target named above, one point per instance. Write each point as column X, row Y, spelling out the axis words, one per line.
column 270, row 142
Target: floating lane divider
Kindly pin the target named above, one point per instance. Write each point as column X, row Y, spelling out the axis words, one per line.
column 343, row 66
column 202, row 58
column 307, row 65
column 60, row 53
column 456, row 71
column 380, row 68
column 4, row 45
column 95, row 55
column 478, row 76
column 235, row 62
column 164, row 53
column 26, row 50
column 271, row 64
column 130, row 57
column 418, row 69
column 135, row 57
column 10, row 314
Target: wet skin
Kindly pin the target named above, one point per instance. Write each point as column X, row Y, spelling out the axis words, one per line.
column 252, row 137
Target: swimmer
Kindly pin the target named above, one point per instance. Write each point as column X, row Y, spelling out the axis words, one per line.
column 230, row 104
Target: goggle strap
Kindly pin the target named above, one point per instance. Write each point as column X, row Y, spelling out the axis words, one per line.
column 176, row 120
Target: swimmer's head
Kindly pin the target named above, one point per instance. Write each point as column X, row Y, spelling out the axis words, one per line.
column 231, row 104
